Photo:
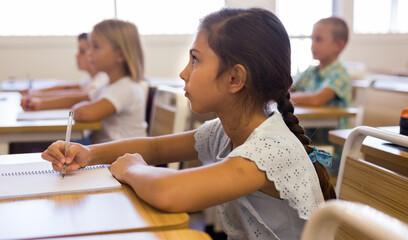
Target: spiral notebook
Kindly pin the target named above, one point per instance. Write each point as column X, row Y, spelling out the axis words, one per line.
column 39, row 179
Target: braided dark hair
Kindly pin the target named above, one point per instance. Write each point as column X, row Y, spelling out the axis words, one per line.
column 256, row 39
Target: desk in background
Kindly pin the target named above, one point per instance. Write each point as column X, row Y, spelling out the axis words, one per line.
column 310, row 117
column 12, row 130
column 15, row 85
column 76, row 214
column 377, row 151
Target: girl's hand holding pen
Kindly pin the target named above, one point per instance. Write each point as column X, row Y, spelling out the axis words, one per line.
column 32, row 104
column 77, row 156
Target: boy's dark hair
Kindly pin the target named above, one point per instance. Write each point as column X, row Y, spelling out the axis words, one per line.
column 338, row 28
column 83, row 36
column 256, row 39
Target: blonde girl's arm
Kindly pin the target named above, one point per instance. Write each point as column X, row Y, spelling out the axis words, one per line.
column 53, row 102
column 91, row 111
column 191, row 189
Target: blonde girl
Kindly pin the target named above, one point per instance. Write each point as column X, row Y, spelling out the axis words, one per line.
column 115, row 49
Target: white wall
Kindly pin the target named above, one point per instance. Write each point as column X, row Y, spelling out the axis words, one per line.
column 54, row 57
column 165, row 56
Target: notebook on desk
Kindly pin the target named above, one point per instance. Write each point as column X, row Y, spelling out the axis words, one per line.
column 43, row 114
column 39, row 179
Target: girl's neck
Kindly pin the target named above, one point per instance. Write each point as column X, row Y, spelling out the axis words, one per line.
column 239, row 133
column 116, row 74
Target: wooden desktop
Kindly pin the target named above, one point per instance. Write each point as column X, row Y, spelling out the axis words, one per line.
column 12, row 130
column 80, row 214
column 379, row 152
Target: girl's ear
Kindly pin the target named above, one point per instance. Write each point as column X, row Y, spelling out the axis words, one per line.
column 237, row 78
column 119, row 56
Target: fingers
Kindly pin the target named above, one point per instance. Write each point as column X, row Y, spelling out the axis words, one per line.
column 54, row 154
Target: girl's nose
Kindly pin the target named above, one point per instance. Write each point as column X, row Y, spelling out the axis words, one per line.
column 183, row 74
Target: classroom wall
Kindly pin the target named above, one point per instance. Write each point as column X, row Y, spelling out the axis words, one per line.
column 54, row 57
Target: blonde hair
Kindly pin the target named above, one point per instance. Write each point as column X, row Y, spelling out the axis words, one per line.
column 338, row 26
column 124, row 36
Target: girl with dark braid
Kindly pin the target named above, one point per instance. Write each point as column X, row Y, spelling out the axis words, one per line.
column 258, row 167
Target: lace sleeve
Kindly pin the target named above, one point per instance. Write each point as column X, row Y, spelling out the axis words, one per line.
column 285, row 163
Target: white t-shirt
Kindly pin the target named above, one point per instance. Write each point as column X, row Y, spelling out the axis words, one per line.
column 129, row 120
column 100, row 79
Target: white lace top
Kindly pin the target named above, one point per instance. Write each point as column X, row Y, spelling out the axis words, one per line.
column 277, row 152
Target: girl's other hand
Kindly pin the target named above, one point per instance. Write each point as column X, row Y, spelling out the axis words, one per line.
column 77, row 156
column 32, row 104
column 123, row 165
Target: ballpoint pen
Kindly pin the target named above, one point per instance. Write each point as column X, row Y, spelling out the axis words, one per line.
column 30, row 86
column 67, row 140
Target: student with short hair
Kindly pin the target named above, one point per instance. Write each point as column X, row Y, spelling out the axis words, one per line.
column 327, row 84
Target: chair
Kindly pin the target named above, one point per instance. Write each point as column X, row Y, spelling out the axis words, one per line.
column 170, row 113
column 368, row 183
column 368, row 222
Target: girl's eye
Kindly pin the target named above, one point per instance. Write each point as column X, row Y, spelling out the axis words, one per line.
column 194, row 59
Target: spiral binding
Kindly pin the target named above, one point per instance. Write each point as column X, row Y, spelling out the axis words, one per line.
column 48, row 171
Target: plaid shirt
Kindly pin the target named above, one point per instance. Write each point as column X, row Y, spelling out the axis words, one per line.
column 334, row 77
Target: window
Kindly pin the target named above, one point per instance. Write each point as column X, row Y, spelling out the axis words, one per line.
column 298, row 17
column 386, row 16
column 166, row 17
column 71, row 17
column 50, row 17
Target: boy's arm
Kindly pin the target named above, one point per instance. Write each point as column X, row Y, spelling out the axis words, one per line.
column 316, row 99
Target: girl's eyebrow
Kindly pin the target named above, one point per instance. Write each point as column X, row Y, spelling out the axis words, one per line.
column 193, row 50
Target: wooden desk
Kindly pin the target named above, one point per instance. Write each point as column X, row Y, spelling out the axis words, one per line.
column 78, row 214
column 322, row 116
column 12, row 130
column 377, row 151
column 181, row 234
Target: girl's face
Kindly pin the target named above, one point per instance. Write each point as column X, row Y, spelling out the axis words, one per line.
column 101, row 54
column 82, row 56
column 203, row 88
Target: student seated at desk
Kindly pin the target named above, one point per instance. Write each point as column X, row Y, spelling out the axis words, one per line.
column 258, row 166
column 115, row 49
column 65, row 96
column 327, row 84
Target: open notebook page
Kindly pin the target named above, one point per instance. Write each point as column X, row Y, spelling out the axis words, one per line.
column 39, row 179
column 43, row 114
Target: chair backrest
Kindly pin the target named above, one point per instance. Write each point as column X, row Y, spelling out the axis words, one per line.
column 367, row 183
column 145, row 87
column 366, row 221
column 170, row 111
column 383, row 102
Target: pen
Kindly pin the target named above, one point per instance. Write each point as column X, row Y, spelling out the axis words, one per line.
column 30, row 86
column 67, row 140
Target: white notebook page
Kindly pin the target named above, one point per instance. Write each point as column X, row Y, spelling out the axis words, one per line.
column 38, row 179
column 43, row 114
